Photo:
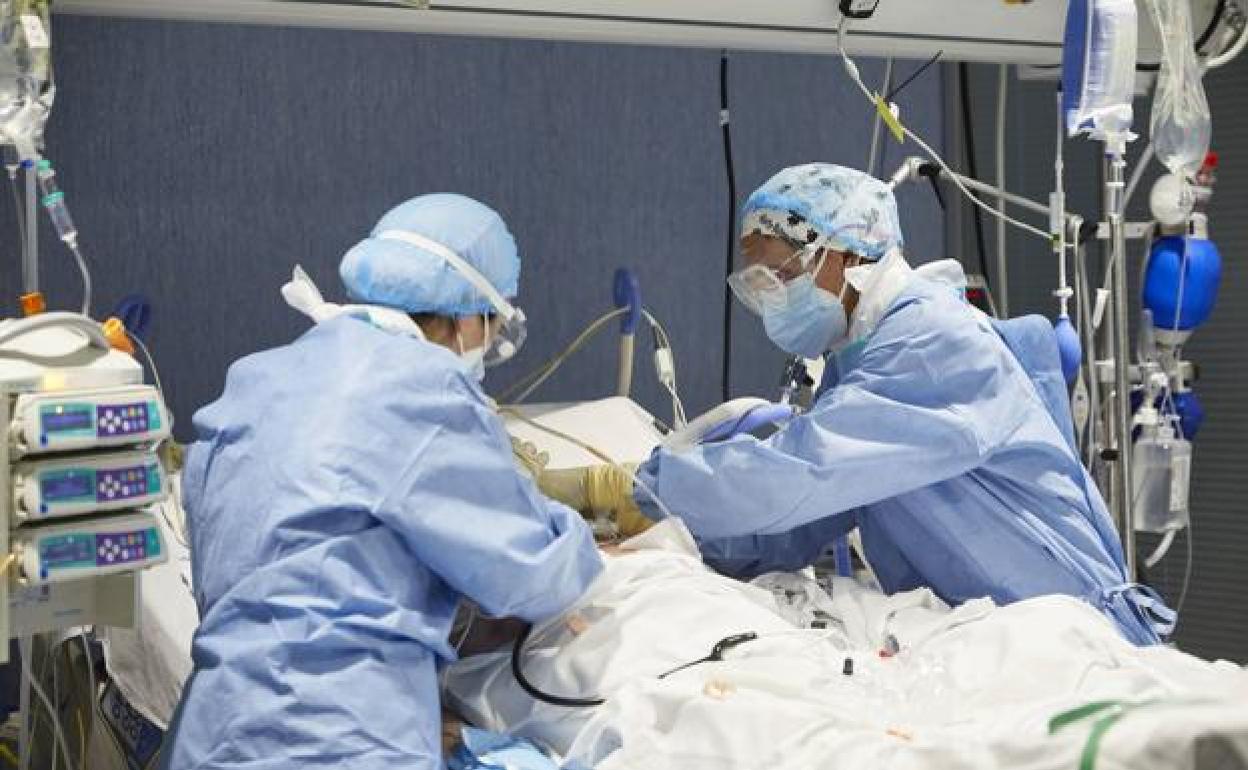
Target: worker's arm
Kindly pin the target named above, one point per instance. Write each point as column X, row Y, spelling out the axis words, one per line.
column 468, row 513
column 749, row 556
column 927, row 402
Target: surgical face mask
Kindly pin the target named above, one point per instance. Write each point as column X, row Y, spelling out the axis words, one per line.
column 474, row 359
column 809, row 322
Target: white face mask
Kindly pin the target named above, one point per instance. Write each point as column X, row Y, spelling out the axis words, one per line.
column 474, row 359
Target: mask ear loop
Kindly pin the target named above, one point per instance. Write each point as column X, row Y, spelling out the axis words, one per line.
column 459, row 338
column 487, row 332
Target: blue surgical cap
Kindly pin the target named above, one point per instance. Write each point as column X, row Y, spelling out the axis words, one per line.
column 854, row 211
column 399, row 275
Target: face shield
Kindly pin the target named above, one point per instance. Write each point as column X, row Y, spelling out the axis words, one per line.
column 762, row 287
column 507, row 330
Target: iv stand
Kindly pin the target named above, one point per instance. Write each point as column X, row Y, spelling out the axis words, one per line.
column 1117, row 418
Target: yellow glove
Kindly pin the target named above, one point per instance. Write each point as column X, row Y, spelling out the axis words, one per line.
column 567, row 486
column 610, row 488
column 529, row 458
column 598, row 488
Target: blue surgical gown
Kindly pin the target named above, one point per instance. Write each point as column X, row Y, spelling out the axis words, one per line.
column 946, row 439
column 345, row 491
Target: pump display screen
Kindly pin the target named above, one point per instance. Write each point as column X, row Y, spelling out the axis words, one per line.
column 67, row 486
column 56, row 421
column 67, row 550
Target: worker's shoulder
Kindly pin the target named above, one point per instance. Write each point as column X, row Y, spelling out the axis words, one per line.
column 347, row 356
column 932, row 312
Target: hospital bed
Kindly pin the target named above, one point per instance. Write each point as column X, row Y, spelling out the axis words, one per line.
column 839, row 675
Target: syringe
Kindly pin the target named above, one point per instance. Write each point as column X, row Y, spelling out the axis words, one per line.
column 54, row 201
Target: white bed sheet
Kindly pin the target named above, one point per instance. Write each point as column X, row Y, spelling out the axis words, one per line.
column 971, row 687
column 151, row 662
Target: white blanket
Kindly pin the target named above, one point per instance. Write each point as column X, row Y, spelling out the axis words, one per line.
column 972, row 687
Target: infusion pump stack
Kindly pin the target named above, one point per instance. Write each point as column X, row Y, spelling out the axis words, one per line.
column 80, row 476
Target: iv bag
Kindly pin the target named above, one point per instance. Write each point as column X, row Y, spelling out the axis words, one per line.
column 25, row 70
column 1098, row 67
column 1180, row 124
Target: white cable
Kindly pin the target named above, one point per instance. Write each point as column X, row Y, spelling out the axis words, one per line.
column 1187, row 573
column 532, row 381
column 678, row 406
column 472, row 618
column 86, row 649
column 47, row 703
column 1229, row 55
column 852, row 70
column 1161, row 549
column 86, row 277
column 876, row 124
column 151, row 364
column 958, row 183
column 1136, row 176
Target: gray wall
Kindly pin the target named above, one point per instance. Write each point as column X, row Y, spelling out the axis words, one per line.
column 1214, row 621
column 203, row 161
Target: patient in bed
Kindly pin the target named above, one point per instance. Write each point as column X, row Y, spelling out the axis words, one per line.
column 832, row 674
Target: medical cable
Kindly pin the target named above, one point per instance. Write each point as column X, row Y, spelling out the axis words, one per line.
column 29, row 680
column 972, row 164
column 532, row 381
column 717, row 652
column 472, row 619
column 1229, row 55
column 526, row 385
column 730, row 249
column 1187, row 574
column 886, row 86
column 517, row 650
column 17, row 198
column 913, row 76
column 1214, row 20
column 151, row 363
column 85, row 273
column 1160, row 551
column 90, row 664
column 852, row 70
column 596, row 453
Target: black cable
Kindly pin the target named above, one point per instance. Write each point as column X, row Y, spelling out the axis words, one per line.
column 730, row 249
column 1218, row 12
column 968, row 138
column 555, row 700
column 922, row 68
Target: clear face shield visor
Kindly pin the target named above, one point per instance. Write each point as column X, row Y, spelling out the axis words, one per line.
column 762, row 287
column 507, row 329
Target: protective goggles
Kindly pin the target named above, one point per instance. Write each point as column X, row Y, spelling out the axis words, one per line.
column 508, row 328
column 764, row 287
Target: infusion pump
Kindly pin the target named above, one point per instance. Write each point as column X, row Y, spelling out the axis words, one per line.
column 79, row 476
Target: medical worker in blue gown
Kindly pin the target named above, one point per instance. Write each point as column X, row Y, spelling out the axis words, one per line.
column 346, row 491
column 945, row 437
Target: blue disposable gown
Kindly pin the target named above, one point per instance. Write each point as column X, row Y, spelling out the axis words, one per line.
column 947, row 441
column 345, row 491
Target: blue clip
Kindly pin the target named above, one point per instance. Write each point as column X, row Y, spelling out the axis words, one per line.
column 135, row 312
column 626, row 291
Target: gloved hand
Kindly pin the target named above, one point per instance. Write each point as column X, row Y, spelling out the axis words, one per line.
column 598, row 488
column 729, row 418
column 529, row 458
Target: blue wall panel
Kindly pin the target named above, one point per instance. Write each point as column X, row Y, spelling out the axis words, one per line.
column 203, row 161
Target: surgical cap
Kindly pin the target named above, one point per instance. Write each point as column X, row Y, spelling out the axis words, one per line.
column 398, row 274
column 853, row 211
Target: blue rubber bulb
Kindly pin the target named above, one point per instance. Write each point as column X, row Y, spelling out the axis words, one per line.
column 1069, row 350
column 1192, row 264
column 1191, row 413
